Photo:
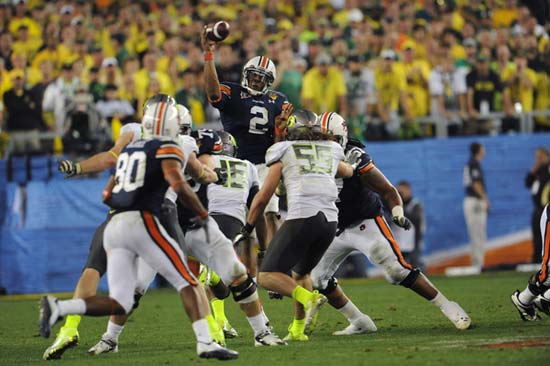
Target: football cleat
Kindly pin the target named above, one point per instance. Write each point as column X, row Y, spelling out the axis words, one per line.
column 49, row 315
column 295, row 335
column 312, row 310
column 66, row 338
column 268, row 338
column 526, row 312
column 229, row 331
column 105, row 345
column 362, row 326
column 457, row 315
column 214, row 350
column 542, row 304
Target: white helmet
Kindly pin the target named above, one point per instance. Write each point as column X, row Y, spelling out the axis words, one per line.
column 335, row 123
column 262, row 66
column 160, row 118
column 185, row 121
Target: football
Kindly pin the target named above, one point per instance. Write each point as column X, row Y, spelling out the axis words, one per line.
column 218, row 32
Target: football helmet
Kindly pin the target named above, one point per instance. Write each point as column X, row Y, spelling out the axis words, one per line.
column 185, row 120
column 229, row 144
column 301, row 116
column 335, row 123
column 259, row 66
column 160, row 117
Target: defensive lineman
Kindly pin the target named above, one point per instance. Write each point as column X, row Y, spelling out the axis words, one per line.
column 362, row 227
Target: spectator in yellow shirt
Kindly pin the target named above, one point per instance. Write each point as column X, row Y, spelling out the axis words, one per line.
column 172, row 63
column 25, row 44
column 48, row 52
column 520, row 82
column 21, row 18
column 324, row 87
column 417, row 73
column 505, row 14
column 391, row 87
column 149, row 72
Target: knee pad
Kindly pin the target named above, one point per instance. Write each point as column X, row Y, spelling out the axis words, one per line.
column 535, row 286
column 395, row 273
column 411, row 278
column 220, row 290
column 245, row 292
column 137, row 297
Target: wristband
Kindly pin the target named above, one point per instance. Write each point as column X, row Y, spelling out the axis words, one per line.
column 209, row 56
column 261, row 254
column 397, row 211
column 248, row 228
column 113, row 153
column 78, row 168
column 203, row 215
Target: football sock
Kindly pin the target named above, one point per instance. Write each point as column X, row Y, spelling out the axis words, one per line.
column 113, row 330
column 301, row 295
column 440, row 300
column 218, row 309
column 200, row 327
column 526, row 297
column 75, row 306
column 214, row 279
column 213, row 326
column 257, row 323
column 72, row 321
column 298, row 326
column 351, row 312
column 266, row 319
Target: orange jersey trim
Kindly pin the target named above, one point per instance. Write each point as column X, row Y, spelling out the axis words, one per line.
column 395, row 247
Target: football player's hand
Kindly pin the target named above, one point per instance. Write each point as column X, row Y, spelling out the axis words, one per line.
column 353, row 157
column 69, row 168
column 260, row 258
column 222, row 176
column 399, row 219
column 202, row 222
column 207, row 44
column 282, row 119
column 243, row 235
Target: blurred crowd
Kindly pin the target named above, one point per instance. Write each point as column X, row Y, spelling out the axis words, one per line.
column 81, row 69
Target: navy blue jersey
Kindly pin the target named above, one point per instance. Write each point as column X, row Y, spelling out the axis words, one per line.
column 250, row 119
column 356, row 202
column 473, row 173
column 139, row 180
column 209, row 142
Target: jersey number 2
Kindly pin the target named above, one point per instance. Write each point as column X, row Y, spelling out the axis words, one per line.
column 130, row 171
column 259, row 121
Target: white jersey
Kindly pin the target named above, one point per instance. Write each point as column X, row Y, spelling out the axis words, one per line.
column 309, row 170
column 132, row 127
column 231, row 198
column 189, row 146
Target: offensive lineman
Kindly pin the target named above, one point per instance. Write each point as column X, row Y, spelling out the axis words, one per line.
column 253, row 114
column 145, row 170
column 308, row 164
column 363, row 228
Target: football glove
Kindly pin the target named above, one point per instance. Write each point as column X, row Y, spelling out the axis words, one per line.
column 353, row 157
column 222, row 176
column 399, row 218
column 243, row 235
column 201, row 222
column 69, row 168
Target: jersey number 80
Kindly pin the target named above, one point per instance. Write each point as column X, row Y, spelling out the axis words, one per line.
column 130, row 171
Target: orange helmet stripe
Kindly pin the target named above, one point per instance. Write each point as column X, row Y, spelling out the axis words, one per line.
column 159, row 118
column 263, row 62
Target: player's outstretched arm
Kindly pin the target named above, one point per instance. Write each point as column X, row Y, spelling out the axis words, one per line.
column 98, row 162
column 211, row 82
column 376, row 181
column 171, row 169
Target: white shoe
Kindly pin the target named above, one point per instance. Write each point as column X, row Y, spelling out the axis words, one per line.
column 542, row 304
column 457, row 315
column 49, row 315
column 362, row 326
column 268, row 338
column 105, row 345
column 214, row 350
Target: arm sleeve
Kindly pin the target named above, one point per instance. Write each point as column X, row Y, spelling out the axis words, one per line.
column 225, row 97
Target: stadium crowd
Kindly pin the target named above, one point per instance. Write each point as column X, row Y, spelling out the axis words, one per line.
column 81, row 69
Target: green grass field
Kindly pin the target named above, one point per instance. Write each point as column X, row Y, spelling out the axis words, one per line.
column 410, row 331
